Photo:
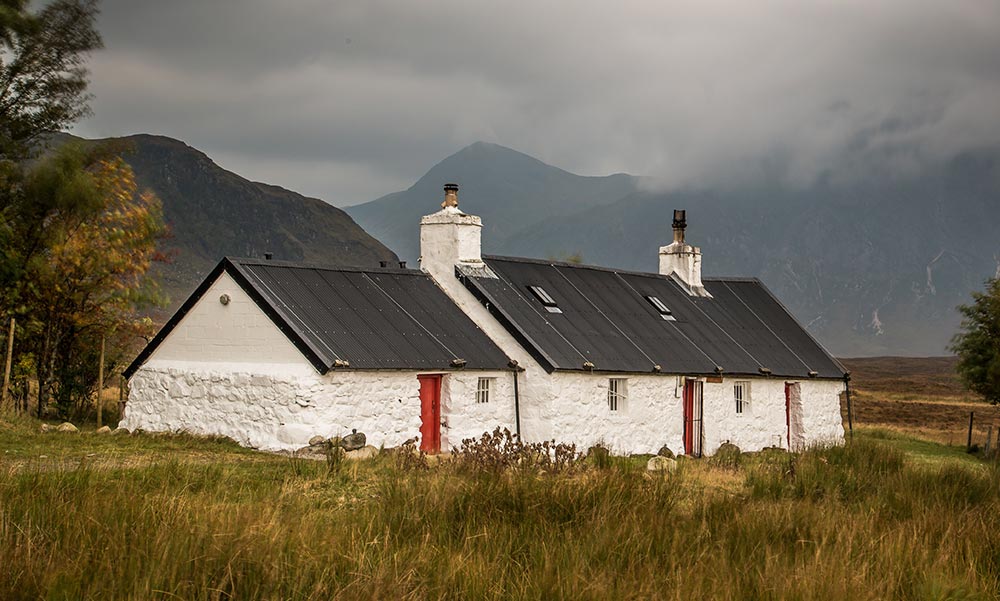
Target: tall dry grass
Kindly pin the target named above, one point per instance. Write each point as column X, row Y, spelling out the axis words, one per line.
column 856, row 522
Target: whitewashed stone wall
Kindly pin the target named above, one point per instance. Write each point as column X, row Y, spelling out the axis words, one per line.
column 574, row 407
column 271, row 409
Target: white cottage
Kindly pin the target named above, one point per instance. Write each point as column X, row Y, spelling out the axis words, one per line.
column 272, row 353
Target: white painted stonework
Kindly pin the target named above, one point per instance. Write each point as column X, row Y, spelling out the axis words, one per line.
column 237, row 332
column 281, row 410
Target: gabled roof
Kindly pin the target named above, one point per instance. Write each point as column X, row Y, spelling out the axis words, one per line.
column 606, row 322
column 354, row 318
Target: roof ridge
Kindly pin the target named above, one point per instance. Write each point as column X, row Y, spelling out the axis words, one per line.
column 321, row 267
column 555, row 263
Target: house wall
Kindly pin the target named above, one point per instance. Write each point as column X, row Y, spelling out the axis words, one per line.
column 574, row 407
column 238, row 332
column 275, row 409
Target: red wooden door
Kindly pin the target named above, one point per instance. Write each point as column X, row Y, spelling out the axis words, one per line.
column 692, row 418
column 788, row 415
column 430, row 413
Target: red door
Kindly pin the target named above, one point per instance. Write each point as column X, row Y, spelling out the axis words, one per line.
column 692, row 418
column 788, row 415
column 430, row 414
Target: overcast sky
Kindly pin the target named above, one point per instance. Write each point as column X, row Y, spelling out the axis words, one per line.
column 350, row 100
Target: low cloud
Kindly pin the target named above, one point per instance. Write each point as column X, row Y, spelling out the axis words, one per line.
column 351, row 100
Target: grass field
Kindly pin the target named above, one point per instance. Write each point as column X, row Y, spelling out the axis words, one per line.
column 86, row 516
column 922, row 397
column 897, row 513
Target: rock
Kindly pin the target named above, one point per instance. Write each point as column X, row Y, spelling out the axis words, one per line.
column 67, row 427
column 46, row 428
column 665, row 452
column 317, row 440
column 354, row 441
column 727, row 455
column 311, row 452
column 363, row 453
column 598, row 451
column 103, row 430
column 120, row 431
column 658, row 463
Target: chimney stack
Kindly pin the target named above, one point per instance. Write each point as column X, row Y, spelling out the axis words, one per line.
column 449, row 238
column 682, row 261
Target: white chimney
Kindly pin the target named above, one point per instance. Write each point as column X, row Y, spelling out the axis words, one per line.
column 450, row 238
column 683, row 261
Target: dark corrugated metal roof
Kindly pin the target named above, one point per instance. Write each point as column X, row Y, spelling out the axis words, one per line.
column 372, row 319
column 607, row 321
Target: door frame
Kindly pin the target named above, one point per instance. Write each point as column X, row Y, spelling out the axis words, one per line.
column 430, row 412
column 694, row 417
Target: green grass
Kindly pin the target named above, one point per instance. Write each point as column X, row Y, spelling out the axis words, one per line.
column 886, row 517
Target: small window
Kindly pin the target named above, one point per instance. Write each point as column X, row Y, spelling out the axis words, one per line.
column 665, row 313
column 483, row 390
column 741, row 392
column 617, row 393
column 543, row 297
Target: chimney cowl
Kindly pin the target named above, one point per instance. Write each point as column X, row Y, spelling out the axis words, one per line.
column 680, row 224
column 450, row 196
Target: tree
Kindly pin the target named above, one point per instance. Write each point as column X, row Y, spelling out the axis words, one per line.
column 83, row 240
column 978, row 343
column 43, row 80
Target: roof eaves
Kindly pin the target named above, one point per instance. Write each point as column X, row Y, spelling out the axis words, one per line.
column 836, row 362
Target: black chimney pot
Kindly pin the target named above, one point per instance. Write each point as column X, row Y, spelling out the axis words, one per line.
column 268, row 256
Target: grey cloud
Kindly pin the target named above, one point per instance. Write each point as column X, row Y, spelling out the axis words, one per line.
column 346, row 100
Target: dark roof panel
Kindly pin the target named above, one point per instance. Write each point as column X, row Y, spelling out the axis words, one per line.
column 372, row 319
column 605, row 319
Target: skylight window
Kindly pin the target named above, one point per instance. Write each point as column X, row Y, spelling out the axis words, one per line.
column 665, row 312
column 543, row 297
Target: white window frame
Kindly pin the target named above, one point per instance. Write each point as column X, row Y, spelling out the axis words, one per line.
column 617, row 394
column 484, row 390
column 741, row 396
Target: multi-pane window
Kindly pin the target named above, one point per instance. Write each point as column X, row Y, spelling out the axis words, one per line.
column 484, row 389
column 617, row 393
column 741, row 392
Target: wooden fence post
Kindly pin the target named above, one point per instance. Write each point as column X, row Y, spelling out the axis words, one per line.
column 6, row 369
column 968, row 444
column 989, row 440
column 100, row 384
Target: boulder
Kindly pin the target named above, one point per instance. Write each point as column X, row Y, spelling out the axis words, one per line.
column 316, row 441
column 363, row 453
column 67, row 427
column 103, row 430
column 46, row 428
column 727, row 455
column 658, row 463
column 598, row 451
column 119, row 431
column 354, row 441
column 665, row 452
